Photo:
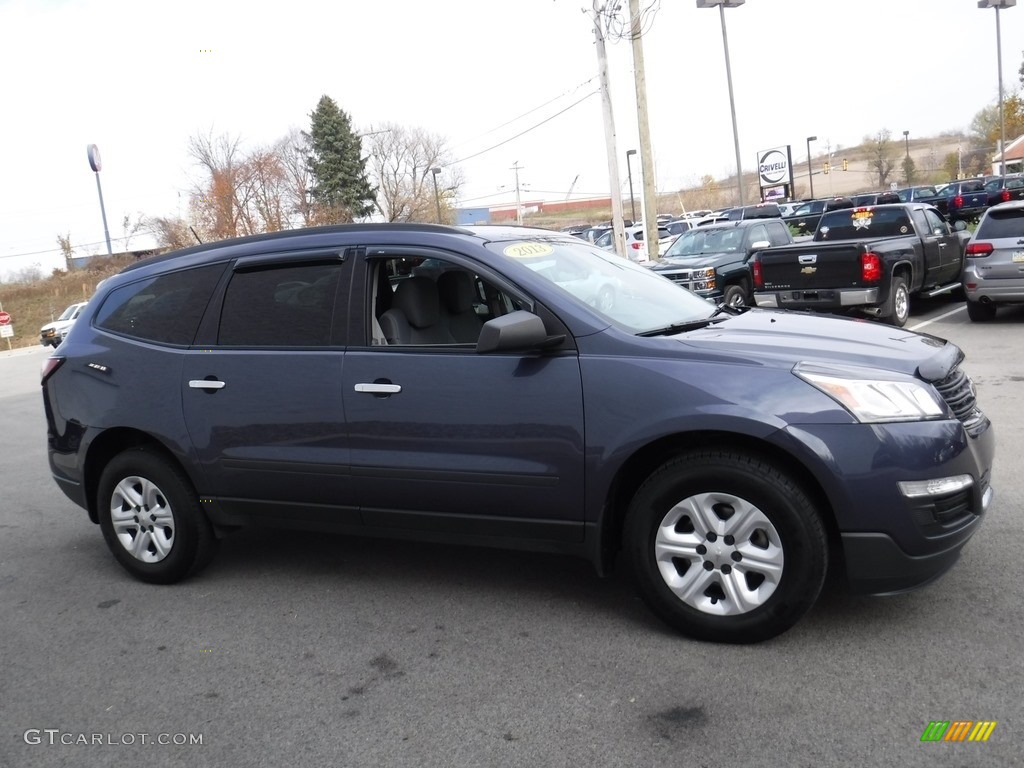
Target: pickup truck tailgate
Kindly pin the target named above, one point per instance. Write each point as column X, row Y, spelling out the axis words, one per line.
column 811, row 266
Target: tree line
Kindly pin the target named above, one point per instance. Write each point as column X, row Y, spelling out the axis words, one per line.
column 313, row 177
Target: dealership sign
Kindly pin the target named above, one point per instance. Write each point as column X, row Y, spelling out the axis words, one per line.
column 773, row 167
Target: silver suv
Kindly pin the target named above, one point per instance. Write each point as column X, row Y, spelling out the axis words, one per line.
column 994, row 267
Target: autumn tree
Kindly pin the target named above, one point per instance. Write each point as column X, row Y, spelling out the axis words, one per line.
column 172, row 233
column 401, row 165
column 881, row 155
column 66, row 250
column 340, row 189
column 985, row 127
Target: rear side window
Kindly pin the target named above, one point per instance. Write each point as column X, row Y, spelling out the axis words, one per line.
column 165, row 309
column 285, row 306
column 1000, row 224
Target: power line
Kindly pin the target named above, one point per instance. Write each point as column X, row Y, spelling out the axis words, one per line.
column 523, row 133
column 525, row 114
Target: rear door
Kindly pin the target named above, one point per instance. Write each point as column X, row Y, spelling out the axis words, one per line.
column 262, row 396
column 446, row 441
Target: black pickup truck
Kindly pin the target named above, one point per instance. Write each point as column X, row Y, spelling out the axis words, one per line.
column 870, row 260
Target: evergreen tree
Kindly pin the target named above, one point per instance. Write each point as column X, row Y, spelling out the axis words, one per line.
column 340, row 189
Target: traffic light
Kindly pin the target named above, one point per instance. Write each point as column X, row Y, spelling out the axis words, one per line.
column 825, row 168
column 846, row 164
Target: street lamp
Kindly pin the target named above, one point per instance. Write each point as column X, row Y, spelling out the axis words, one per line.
column 437, row 196
column 906, row 141
column 810, row 171
column 722, row 5
column 629, row 172
column 997, row 4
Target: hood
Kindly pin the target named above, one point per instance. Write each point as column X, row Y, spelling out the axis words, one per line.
column 696, row 261
column 58, row 325
column 793, row 337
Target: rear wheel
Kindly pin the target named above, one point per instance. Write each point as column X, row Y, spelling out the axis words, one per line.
column 981, row 313
column 898, row 311
column 725, row 547
column 150, row 517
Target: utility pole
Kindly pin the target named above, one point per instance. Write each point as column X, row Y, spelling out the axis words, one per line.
column 649, row 199
column 519, row 206
column 618, row 231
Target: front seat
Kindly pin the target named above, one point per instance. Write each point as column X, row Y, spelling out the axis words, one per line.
column 455, row 288
column 415, row 315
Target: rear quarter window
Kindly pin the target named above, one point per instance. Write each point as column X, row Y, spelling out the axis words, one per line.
column 165, row 309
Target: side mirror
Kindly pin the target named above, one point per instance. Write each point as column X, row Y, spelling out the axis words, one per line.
column 520, row 330
column 760, row 245
column 959, row 226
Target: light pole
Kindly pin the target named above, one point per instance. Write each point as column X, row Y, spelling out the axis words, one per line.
column 722, row 5
column 810, row 170
column 906, row 141
column 437, row 196
column 96, row 164
column 997, row 4
column 629, row 172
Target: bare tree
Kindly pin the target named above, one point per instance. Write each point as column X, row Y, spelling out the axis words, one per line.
column 64, row 242
column 401, row 164
column 881, row 155
column 293, row 152
column 171, row 232
column 132, row 228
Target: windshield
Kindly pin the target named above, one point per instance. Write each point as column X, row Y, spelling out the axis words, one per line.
column 698, row 241
column 628, row 295
column 69, row 313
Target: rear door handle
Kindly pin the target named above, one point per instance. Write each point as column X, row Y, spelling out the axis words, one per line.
column 206, row 384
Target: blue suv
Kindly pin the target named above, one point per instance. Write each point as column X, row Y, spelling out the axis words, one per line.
column 478, row 385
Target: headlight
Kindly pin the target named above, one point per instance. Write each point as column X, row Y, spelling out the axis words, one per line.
column 876, row 399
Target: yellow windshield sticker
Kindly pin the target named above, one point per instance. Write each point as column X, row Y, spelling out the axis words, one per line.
column 862, row 218
column 528, row 250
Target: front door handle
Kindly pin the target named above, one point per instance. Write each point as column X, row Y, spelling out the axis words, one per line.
column 206, row 384
column 379, row 388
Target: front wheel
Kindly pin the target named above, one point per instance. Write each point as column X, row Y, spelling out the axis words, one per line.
column 150, row 517
column 898, row 311
column 725, row 546
column 735, row 296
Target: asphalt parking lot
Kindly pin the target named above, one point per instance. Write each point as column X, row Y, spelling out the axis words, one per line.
column 305, row 649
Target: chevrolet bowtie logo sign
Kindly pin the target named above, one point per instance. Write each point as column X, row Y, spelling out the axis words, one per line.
column 808, row 270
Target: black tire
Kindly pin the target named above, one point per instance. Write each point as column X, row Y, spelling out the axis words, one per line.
column 735, row 296
column 779, row 530
column 898, row 307
column 981, row 313
column 179, row 540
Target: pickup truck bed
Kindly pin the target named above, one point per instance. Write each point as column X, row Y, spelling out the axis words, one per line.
column 870, row 260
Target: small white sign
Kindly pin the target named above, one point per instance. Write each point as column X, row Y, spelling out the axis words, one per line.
column 6, row 331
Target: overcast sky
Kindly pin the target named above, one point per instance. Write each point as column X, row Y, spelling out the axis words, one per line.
column 138, row 79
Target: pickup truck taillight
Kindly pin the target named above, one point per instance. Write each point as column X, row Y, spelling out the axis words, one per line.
column 978, row 250
column 1005, row 195
column 957, row 202
column 870, row 267
column 755, row 271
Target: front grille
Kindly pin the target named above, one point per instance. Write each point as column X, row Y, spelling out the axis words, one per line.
column 957, row 390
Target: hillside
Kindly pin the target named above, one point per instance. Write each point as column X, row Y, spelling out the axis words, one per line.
column 32, row 305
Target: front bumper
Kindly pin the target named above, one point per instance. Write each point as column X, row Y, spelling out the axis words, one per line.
column 892, row 542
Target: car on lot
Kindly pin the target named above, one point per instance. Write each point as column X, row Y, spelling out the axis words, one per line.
column 635, row 246
column 1002, row 189
column 52, row 334
column 994, row 265
column 712, row 261
column 312, row 380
